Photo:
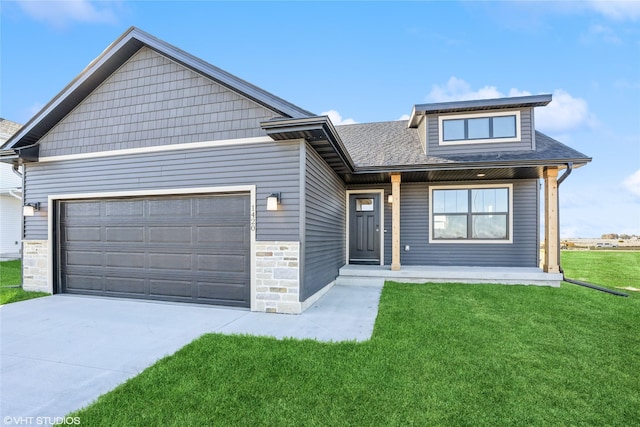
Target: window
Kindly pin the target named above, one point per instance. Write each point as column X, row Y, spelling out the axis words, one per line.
column 474, row 214
column 475, row 128
column 364, row 205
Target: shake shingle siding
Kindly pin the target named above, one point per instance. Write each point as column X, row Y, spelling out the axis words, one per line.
column 324, row 227
column 271, row 166
column 149, row 101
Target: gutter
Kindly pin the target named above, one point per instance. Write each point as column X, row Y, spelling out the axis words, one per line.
column 565, row 278
column 469, row 166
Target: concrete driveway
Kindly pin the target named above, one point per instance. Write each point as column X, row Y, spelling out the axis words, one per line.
column 60, row 353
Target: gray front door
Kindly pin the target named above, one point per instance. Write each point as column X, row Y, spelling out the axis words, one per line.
column 192, row 248
column 364, row 228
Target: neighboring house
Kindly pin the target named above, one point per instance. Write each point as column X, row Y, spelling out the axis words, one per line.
column 154, row 168
column 10, row 201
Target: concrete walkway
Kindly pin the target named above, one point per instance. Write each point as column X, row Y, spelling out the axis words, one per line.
column 60, row 353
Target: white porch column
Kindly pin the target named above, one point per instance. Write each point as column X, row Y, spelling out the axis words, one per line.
column 550, row 261
column 395, row 222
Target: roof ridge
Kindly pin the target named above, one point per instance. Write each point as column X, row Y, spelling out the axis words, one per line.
column 114, row 56
column 372, row 123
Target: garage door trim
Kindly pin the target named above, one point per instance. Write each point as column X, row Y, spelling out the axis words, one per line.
column 251, row 189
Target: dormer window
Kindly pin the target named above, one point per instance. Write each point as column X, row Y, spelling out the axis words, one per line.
column 479, row 128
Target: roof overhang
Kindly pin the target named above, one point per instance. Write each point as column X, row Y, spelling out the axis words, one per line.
column 115, row 56
column 319, row 132
column 459, row 172
column 420, row 110
column 8, row 156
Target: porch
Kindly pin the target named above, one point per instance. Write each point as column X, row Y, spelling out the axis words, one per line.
column 376, row 275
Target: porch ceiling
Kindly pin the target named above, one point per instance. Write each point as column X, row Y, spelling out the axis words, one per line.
column 449, row 175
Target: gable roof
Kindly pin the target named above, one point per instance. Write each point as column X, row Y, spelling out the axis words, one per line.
column 115, row 56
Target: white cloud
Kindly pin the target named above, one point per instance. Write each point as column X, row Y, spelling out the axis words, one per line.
column 632, row 183
column 61, row 13
column 563, row 113
column 403, row 117
column 590, row 210
column 337, row 119
column 617, row 10
column 459, row 90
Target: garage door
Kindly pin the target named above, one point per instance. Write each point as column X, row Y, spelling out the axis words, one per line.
column 178, row 248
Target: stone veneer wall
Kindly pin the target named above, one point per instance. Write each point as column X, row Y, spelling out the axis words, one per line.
column 278, row 277
column 35, row 265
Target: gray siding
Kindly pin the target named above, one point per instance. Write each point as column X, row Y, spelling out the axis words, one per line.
column 271, row 166
column 414, row 217
column 526, row 143
column 422, row 133
column 152, row 100
column 324, row 229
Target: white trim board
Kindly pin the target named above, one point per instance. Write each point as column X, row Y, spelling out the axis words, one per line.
column 347, row 218
column 156, row 149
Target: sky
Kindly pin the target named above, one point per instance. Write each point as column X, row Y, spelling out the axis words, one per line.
column 372, row 61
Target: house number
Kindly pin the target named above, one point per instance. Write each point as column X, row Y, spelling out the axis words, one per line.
column 253, row 218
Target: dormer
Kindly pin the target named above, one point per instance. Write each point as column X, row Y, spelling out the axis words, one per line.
column 477, row 126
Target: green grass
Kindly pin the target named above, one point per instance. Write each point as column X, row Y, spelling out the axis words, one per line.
column 10, row 277
column 608, row 268
column 445, row 354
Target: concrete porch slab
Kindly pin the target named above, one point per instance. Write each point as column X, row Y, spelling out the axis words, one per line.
column 374, row 275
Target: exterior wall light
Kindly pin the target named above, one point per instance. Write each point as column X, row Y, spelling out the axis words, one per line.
column 390, row 198
column 29, row 209
column 273, row 200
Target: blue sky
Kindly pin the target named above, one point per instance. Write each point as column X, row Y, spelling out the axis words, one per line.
column 372, row 61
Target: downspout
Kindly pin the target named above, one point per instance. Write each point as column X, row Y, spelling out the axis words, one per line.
column 15, row 169
column 17, row 172
column 564, row 278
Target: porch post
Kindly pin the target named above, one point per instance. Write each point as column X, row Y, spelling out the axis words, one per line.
column 395, row 222
column 550, row 261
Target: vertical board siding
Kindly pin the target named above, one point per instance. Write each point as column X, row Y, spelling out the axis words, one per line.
column 324, row 233
column 270, row 166
column 414, row 220
column 526, row 143
column 150, row 101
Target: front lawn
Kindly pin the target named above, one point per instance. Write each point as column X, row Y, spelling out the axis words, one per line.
column 10, row 281
column 445, row 354
column 613, row 269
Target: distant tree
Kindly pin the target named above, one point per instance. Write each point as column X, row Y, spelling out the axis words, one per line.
column 609, row 236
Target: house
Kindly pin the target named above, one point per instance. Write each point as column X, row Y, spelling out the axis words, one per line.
column 160, row 176
column 10, row 201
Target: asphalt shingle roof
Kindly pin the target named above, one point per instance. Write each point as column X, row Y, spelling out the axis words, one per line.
column 395, row 144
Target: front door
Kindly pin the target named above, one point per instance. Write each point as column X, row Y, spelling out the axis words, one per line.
column 364, row 228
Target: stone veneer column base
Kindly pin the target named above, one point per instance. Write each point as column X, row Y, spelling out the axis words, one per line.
column 277, row 278
column 35, row 266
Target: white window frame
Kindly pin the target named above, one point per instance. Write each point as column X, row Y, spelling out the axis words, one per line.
column 441, row 120
column 471, row 241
